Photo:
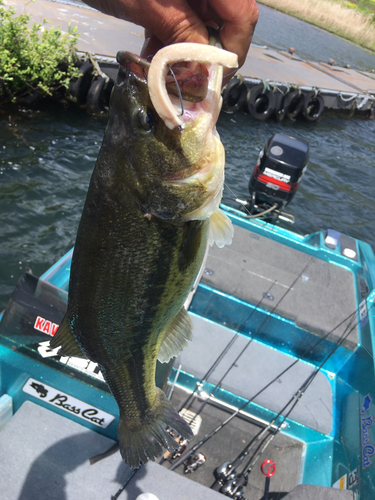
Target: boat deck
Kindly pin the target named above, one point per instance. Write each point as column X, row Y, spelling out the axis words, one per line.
column 269, row 281
column 44, row 455
column 228, row 443
column 316, row 295
column 256, row 367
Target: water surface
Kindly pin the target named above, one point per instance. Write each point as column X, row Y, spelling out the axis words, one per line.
column 47, row 156
column 280, row 31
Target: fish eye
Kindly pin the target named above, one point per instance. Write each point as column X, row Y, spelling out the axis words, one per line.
column 146, row 119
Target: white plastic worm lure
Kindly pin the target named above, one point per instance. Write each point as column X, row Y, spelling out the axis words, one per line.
column 186, row 52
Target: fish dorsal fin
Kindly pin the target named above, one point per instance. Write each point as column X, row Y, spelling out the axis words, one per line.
column 221, row 229
column 64, row 339
column 176, row 337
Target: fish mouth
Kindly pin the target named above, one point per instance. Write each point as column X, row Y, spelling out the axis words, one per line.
column 183, row 79
column 188, row 81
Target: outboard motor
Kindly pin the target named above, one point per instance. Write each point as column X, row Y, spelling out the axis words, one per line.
column 277, row 174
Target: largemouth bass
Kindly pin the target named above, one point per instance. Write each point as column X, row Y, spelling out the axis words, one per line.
column 151, row 207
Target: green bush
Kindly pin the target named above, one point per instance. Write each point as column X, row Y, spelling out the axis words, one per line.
column 33, row 59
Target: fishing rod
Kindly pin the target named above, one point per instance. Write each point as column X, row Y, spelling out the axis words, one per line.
column 253, row 337
column 343, row 337
column 228, row 481
column 127, row 481
column 223, row 353
column 232, row 486
column 183, row 442
column 228, row 469
column 188, row 402
column 208, row 436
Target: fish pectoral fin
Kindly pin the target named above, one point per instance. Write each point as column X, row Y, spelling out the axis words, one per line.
column 190, row 245
column 64, row 339
column 176, row 337
column 221, row 229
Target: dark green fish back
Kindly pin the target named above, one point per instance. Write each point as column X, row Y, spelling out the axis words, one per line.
column 131, row 273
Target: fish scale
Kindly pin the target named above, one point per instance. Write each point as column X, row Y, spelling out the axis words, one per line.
column 137, row 255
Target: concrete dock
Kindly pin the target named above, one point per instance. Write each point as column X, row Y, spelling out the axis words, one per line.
column 266, row 77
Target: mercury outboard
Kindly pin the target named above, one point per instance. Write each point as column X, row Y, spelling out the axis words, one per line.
column 276, row 176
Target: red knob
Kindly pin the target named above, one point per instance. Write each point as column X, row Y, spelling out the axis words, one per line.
column 268, row 468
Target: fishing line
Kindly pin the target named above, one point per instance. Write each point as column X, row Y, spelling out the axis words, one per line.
column 249, row 215
column 128, row 56
column 236, row 412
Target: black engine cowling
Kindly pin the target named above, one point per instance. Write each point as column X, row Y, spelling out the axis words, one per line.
column 278, row 171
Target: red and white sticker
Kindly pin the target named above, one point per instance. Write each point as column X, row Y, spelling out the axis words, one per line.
column 45, row 326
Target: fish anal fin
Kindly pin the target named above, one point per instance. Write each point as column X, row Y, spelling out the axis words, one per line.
column 221, row 229
column 64, row 339
column 176, row 337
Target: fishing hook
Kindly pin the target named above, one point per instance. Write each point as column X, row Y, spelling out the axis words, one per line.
column 178, row 90
column 123, row 57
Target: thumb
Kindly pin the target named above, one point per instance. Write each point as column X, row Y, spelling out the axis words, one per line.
column 175, row 23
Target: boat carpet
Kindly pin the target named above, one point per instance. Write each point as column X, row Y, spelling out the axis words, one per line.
column 320, row 299
column 257, row 366
column 310, row 492
column 230, row 441
column 46, row 456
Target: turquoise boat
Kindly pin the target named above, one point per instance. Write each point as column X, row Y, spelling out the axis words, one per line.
column 284, row 327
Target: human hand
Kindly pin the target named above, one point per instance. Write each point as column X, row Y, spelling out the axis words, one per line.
column 185, row 21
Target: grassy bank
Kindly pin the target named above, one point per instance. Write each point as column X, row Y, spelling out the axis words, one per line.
column 35, row 62
column 354, row 20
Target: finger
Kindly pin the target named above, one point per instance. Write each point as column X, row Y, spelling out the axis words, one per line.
column 151, row 45
column 175, row 22
column 240, row 19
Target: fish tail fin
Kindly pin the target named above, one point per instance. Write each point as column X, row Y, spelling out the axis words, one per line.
column 138, row 444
